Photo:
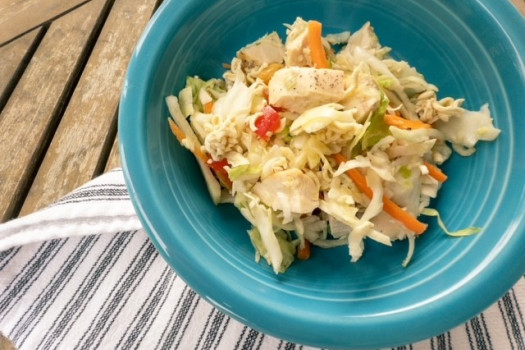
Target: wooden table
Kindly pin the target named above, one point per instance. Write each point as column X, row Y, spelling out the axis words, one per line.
column 62, row 66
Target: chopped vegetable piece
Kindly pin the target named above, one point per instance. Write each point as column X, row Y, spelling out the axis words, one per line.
column 181, row 136
column 390, row 207
column 268, row 123
column 217, row 166
column 315, row 43
column 222, row 174
column 435, row 172
column 267, row 73
column 304, row 253
column 469, row 231
column 208, row 107
column 406, row 124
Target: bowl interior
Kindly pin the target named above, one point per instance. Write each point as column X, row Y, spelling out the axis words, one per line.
column 462, row 48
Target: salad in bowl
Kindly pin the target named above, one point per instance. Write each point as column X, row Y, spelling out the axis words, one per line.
column 324, row 141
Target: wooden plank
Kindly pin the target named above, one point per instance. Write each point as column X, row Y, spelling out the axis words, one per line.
column 81, row 142
column 5, row 343
column 114, row 157
column 18, row 17
column 31, row 112
column 520, row 5
column 13, row 57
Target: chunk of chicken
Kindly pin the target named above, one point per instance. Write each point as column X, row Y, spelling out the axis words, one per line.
column 364, row 94
column 297, row 51
column 268, row 49
column 300, row 88
column 289, row 190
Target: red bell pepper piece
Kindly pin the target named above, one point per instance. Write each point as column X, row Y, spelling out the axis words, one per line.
column 222, row 174
column 268, row 123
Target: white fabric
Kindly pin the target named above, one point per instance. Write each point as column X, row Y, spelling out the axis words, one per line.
column 100, row 206
column 106, row 287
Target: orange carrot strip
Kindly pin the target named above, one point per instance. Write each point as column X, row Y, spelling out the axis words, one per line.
column 305, row 252
column 390, row 207
column 315, row 43
column 267, row 73
column 176, row 130
column 221, row 174
column 403, row 123
column 208, row 107
column 435, row 172
column 181, row 136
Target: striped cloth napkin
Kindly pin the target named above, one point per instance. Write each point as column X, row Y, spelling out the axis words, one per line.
column 82, row 274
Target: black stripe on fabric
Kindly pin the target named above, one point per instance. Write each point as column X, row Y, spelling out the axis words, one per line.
column 179, row 320
column 172, row 318
column 100, row 192
column 261, row 339
column 120, row 253
column 505, row 321
column 404, row 347
column 205, row 330
column 188, row 320
column 250, row 340
column 513, row 322
column 218, row 321
column 48, row 295
column 173, row 278
column 476, row 334
column 7, row 255
column 224, row 327
column 517, row 308
column 126, row 285
column 485, row 331
column 108, row 199
column 29, row 274
column 289, row 346
column 97, row 191
column 478, row 329
column 469, row 336
column 86, row 288
column 21, row 271
column 440, row 342
column 145, row 312
column 211, row 329
column 241, row 336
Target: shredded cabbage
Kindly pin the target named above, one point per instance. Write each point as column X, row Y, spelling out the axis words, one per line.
column 308, row 153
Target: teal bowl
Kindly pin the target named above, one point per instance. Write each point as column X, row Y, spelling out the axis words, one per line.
column 469, row 48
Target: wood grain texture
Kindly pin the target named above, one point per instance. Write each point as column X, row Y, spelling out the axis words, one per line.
column 30, row 115
column 81, row 139
column 5, row 343
column 520, row 5
column 12, row 58
column 114, row 157
column 20, row 16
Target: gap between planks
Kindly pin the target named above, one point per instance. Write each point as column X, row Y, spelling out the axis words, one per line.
column 15, row 57
column 18, row 17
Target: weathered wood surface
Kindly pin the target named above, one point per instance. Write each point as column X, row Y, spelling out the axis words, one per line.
column 13, row 59
column 18, row 17
column 29, row 118
column 114, row 157
column 83, row 139
column 520, row 5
